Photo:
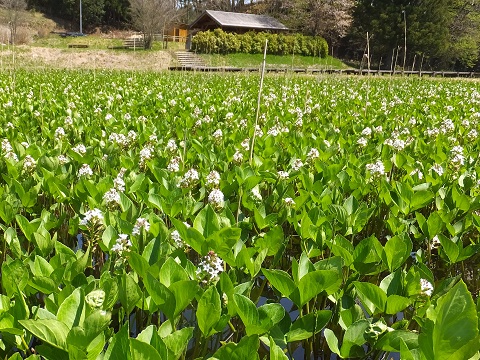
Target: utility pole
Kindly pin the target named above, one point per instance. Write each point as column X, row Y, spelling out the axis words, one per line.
column 405, row 45
column 81, row 30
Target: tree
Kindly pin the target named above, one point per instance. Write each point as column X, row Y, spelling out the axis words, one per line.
column 14, row 9
column 152, row 16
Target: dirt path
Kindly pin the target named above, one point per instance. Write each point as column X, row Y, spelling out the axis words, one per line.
column 40, row 57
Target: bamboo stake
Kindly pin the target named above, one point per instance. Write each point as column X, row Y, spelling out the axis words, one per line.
column 259, row 100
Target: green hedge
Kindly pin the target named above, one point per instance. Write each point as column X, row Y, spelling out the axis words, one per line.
column 219, row 41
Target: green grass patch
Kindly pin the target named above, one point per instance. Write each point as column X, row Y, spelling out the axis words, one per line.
column 254, row 60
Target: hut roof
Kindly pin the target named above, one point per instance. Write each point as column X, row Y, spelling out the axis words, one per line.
column 239, row 20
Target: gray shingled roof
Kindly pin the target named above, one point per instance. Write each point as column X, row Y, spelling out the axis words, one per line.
column 240, row 20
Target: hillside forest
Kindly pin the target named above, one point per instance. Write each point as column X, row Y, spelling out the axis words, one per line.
column 440, row 34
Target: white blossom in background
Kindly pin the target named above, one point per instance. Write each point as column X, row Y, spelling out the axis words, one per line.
column 177, row 239
column 447, row 126
column 85, row 170
column 362, row 141
column 213, row 179
column 209, row 267
column 417, row 172
column 92, row 217
column 283, row 175
column 313, row 154
column 146, row 153
column 376, row 169
column 457, row 155
column 141, row 223
column 327, row 143
column 237, row 157
column 255, row 192
column 59, row 133
column 258, row 131
column 426, row 287
column 112, row 197
column 472, row 135
column 367, row 131
column 118, row 182
column 245, row 144
column 378, row 129
column 289, row 202
column 29, row 164
column 396, row 143
column 127, row 116
column 62, row 159
column 80, row 149
column 171, row 146
column 174, row 165
column 122, row 245
column 297, row 164
column 7, row 149
column 218, row 134
column 216, row 199
column 432, row 132
column 108, row 117
column 438, row 169
column 25, row 144
column 435, row 242
column 189, row 179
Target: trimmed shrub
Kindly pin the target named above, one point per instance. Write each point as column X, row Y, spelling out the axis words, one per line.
column 218, row 41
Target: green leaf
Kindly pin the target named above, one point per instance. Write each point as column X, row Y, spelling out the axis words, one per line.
column 247, row 311
column 397, row 251
column 276, row 353
column 119, row 348
column 308, row 325
column 372, row 296
column 161, row 295
column 138, row 263
column 178, row 340
column 332, row 341
column 207, row 221
column 247, row 348
column 391, row 340
column 143, row 351
column 184, row 291
column 129, row 292
column 280, row 280
column 313, row 284
column 450, row 248
column 14, row 276
column 354, row 339
column 209, row 311
column 72, row 310
column 396, row 303
column 172, row 272
column 455, row 333
column 53, row 332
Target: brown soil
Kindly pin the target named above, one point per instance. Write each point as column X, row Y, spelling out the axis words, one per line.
column 40, row 57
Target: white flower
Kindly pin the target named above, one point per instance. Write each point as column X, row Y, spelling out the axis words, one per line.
column 209, row 267
column 146, row 154
column 6, row 146
column 59, row 133
column 80, row 149
column 283, row 175
column 177, row 239
column 174, row 165
column 171, row 146
column 256, row 194
column 289, row 202
column 327, row 143
column 367, row 131
column 29, row 164
column 245, row 144
column 472, row 135
column 93, row 217
column 297, row 164
column 213, row 179
column 427, row 287
column 122, row 244
column 313, row 154
column 435, row 242
column 216, row 199
column 438, row 169
column 362, row 141
column 189, row 179
column 111, row 197
column 108, row 117
column 139, row 224
column 376, row 169
column 62, row 159
column 85, row 170
column 238, row 157
column 218, row 134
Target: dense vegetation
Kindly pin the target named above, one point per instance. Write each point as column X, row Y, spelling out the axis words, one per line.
column 219, row 41
column 153, row 217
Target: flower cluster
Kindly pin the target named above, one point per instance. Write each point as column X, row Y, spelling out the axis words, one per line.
column 376, row 169
column 457, row 155
column 426, row 287
column 29, row 164
column 297, row 164
column 174, row 165
column 189, row 179
column 7, row 149
column 216, row 199
column 283, row 175
column 85, row 170
column 92, row 217
column 80, row 149
column 213, row 179
column 146, row 154
column 313, row 155
column 122, row 245
column 438, row 169
column 171, row 146
column 139, row 224
column 209, row 267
